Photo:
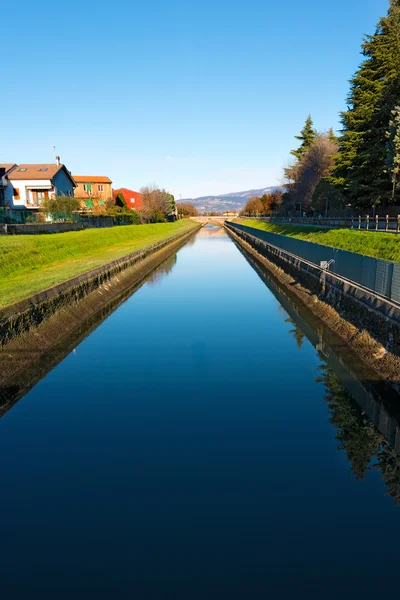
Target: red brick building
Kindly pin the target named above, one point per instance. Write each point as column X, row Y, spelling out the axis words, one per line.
column 133, row 199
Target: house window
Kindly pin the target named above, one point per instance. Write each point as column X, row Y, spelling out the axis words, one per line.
column 132, row 200
column 38, row 196
column 43, row 169
column 100, row 187
column 87, row 187
column 23, row 170
column 16, row 194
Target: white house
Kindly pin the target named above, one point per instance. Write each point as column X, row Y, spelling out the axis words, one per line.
column 26, row 186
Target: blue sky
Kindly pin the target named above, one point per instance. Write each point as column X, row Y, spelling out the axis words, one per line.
column 199, row 98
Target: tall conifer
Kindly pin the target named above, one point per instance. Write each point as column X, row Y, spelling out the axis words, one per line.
column 306, row 137
column 361, row 166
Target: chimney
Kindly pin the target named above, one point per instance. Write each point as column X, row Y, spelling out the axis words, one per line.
column 58, row 160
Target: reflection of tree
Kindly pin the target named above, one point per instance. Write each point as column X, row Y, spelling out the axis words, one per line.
column 358, row 436
column 163, row 270
column 296, row 332
column 389, row 467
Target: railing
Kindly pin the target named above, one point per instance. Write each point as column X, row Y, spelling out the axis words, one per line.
column 365, row 223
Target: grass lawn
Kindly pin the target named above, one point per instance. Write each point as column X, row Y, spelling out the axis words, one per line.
column 31, row 263
column 379, row 245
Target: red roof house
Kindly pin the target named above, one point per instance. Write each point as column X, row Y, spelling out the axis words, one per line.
column 133, row 199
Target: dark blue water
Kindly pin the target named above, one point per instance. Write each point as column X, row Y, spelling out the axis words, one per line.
column 196, row 445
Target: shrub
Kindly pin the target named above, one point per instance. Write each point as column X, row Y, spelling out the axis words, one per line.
column 60, row 207
column 122, row 216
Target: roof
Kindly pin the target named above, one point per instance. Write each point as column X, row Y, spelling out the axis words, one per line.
column 40, row 171
column 7, row 166
column 128, row 195
column 91, row 179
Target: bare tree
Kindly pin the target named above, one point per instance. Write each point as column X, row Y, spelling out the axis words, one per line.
column 157, row 204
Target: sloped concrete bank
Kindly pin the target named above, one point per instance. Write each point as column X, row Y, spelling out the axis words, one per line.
column 369, row 324
column 27, row 314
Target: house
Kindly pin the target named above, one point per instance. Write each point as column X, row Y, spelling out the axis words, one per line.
column 93, row 186
column 28, row 185
column 6, row 189
column 133, row 199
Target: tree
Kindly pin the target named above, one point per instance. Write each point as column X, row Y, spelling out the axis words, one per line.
column 306, row 137
column 393, row 149
column 315, row 165
column 120, row 200
column 158, row 205
column 361, row 165
column 186, row 209
column 271, row 201
column 60, row 207
column 306, row 174
column 254, row 206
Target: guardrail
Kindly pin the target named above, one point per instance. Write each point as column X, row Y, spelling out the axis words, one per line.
column 363, row 223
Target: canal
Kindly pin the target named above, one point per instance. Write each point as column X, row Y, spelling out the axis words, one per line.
column 208, row 439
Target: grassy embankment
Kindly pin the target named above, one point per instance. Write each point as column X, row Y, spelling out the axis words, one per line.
column 31, row 263
column 379, row 245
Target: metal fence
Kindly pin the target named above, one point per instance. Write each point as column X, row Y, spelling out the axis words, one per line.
column 387, row 223
column 10, row 216
column 380, row 276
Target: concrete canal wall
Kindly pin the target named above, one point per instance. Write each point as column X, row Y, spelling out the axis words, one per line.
column 367, row 321
column 30, row 312
column 380, row 276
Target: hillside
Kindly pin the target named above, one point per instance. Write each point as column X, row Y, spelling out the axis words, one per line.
column 225, row 202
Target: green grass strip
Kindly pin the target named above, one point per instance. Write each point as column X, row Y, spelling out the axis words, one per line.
column 379, row 245
column 31, row 263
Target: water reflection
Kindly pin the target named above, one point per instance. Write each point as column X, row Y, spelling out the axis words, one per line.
column 27, row 360
column 365, row 412
column 365, row 447
column 210, row 230
column 163, row 271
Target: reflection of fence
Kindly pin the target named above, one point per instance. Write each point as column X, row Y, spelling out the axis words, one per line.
column 365, row 223
column 381, row 276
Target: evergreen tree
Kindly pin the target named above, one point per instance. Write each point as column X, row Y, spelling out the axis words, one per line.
column 120, row 201
column 361, row 166
column 306, row 137
column 331, row 136
column 393, row 150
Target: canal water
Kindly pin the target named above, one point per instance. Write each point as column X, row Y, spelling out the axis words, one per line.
column 198, row 445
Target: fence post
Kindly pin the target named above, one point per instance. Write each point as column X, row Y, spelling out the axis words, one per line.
column 367, row 222
column 376, row 223
column 387, row 223
column 352, row 222
column 398, row 223
column 359, row 222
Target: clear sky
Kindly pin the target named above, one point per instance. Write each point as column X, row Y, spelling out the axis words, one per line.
column 197, row 97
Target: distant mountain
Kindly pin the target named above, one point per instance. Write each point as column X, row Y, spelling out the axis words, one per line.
column 225, row 202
